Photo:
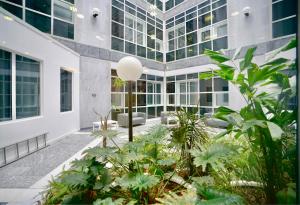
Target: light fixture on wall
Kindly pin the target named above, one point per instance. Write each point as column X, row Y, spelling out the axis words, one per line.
column 247, row 11
column 129, row 69
column 95, row 12
column 81, row 16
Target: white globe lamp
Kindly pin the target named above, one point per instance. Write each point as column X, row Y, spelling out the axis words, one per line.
column 129, row 69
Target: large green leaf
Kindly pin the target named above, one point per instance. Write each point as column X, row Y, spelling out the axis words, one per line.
column 292, row 44
column 75, row 179
column 108, row 201
column 245, row 63
column 216, row 56
column 275, row 131
column 137, row 182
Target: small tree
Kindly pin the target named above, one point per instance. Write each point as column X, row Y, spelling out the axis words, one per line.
column 266, row 120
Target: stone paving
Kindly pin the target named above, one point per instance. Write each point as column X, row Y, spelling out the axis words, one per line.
column 28, row 170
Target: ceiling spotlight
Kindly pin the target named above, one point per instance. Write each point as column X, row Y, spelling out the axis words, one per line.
column 153, row 7
column 153, row 13
column 246, row 11
column 81, row 16
column 73, row 8
column 8, row 18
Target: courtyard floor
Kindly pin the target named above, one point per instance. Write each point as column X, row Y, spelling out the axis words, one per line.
column 21, row 182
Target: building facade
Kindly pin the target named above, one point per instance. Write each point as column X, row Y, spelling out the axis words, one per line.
column 58, row 59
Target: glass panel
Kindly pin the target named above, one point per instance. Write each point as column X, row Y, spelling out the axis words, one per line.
column 20, row 2
column 27, row 87
column 17, row 11
column 150, row 42
column 192, row 51
column 150, row 99
column 62, row 10
column 220, row 84
column 141, row 51
column 205, row 85
column 141, row 100
column 220, row 43
column 206, row 99
column 194, row 99
column 191, row 38
column 159, row 56
column 171, row 99
column 180, row 31
column 158, row 99
column 220, row 30
column 39, row 21
column 151, row 54
column 219, row 14
column 151, row 112
column 65, row 91
column 205, row 35
column 117, row 15
column 150, row 30
column 182, row 87
column 117, row 44
column 141, row 86
column 193, row 86
column 171, row 45
column 170, row 56
column 203, row 46
column 141, row 39
column 181, row 42
column 180, row 54
column 204, row 20
column 283, row 9
column 63, row 29
column 191, row 25
column 5, row 86
column 117, row 30
column 182, row 99
column 285, row 27
column 129, row 48
column 171, row 87
column 38, row 5
column 158, row 88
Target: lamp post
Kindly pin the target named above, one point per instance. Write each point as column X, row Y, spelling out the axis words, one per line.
column 129, row 69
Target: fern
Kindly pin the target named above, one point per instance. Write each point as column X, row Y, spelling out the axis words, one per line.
column 75, row 180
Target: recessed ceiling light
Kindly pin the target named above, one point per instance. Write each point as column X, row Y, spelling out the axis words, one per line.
column 8, row 18
column 73, row 8
column 81, row 16
column 153, row 7
column 153, row 13
column 99, row 38
column 3, row 42
column 235, row 13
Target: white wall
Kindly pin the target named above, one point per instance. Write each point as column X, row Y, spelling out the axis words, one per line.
column 17, row 36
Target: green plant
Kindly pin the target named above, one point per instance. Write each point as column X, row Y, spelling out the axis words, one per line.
column 266, row 121
column 189, row 134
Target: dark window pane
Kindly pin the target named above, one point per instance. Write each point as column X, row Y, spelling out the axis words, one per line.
column 170, row 56
column 285, row 27
column 141, row 86
column 150, row 42
column 220, row 43
column 181, row 42
column 27, row 87
column 171, row 45
column 171, row 87
column 191, row 38
column 63, row 29
column 118, row 4
column 219, row 14
column 150, row 30
column 117, row 30
column 130, row 48
column 192, row 51
column 117, row 15
column 218, row 4
column 204, row 20
column 38, row 5
column 181, row 77
column 159, row 34
column 20, row 2
column 159, row 56
column 141, row 100
column 178, row 2
column 171, row 34
column 141, row 51
column 159, row 5
column 17, row 11
column 70, row 1
column 180, row 54
column 203, row 46
column 206, row 99
column 169, row 4
column 39, row 21
column 220, row 84
column 191, row 25
column 65, row 91
column 62, row 10
column 171, row 78
column 151, row 112
column 117, row 44
column 205, row 85
column 284, row 9
column 150, row 54
column 5, row 86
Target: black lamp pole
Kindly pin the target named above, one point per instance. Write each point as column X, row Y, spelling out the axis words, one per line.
column 130, row 136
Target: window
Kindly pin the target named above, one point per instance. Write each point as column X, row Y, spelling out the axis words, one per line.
column 27, row 87
column 15, row 10
column 284, row 17
column 41, row 6
column 117, row 44
column 117, row 30
column 41, row 22
column 63, row 29
column 65, row 91
column 62, row 10
column 5, row 86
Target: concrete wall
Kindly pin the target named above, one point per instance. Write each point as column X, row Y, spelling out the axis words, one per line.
column 18, row 37
column 95, row 88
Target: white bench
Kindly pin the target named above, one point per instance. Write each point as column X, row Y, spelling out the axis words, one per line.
column 110, row 124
